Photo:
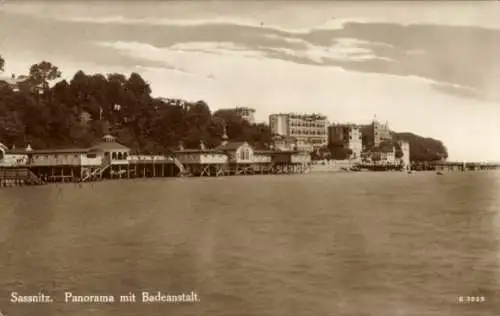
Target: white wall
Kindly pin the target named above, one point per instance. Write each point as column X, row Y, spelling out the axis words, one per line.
column 14, row 160
column 71, row 159
column 208, row 158
column 86, row 161
column 262, row 158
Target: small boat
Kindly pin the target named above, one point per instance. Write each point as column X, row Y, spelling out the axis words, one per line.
column 411, row 171
column 439, row 173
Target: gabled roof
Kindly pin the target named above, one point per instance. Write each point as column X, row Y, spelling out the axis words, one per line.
column 198, row 151
column 105, row 146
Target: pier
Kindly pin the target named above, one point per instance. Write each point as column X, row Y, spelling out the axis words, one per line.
column 455, row 166
column 111, row 160
column 17, row 176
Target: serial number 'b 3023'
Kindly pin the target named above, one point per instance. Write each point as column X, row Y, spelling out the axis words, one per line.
column 471, row 299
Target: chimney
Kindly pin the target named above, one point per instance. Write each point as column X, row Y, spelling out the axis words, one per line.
column 202, row 145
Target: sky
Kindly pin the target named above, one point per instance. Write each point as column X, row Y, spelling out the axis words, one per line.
column 429, row 68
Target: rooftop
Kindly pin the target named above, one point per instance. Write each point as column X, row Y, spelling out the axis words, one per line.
column 109, row 143
column 23, row 151
column 198, row 151
column 307, row 116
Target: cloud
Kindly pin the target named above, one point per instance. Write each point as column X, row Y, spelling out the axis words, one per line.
column 273, row 85
column 343, row 49
column 332, row 24
column 430, row 80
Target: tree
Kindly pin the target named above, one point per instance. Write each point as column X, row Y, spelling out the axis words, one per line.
column 2, row 63
column 124, row 106
column 338, row 151
column 40, row 75
column 423, row 149
column 12, row 128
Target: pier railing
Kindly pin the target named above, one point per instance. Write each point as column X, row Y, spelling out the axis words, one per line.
column 18, row 176
column 182, row 170
column 99, row 171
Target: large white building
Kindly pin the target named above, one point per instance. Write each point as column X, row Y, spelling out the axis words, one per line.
column 308, row 128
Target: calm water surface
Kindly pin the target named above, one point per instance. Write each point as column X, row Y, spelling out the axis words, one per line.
column 324, row 244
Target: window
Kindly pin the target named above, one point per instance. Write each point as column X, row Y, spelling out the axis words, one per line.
column 113, row 156
column 91, row 155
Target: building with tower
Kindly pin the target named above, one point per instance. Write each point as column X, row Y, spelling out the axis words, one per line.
column 347, row 136
column 375, row 133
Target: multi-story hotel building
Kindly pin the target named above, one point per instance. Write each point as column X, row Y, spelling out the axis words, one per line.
column 246, row 113
column 348, row 136
column 307, row 128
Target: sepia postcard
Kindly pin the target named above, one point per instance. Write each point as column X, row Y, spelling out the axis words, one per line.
column 234, row 158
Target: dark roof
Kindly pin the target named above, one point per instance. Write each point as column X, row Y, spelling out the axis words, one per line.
column 23, row 151
column 201, row 151
column 231, row 145
column 284, row 138
column 263, row 152
column 289, row 152
column 110, row 146
column 383, row 150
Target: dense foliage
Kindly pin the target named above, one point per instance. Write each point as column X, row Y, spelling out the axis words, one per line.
column 337, row 151
column 78, row 112
column 423, row 149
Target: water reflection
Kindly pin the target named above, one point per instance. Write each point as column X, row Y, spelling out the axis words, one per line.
column 356, row 244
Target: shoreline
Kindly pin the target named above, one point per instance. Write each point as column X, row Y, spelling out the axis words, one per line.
column 92, row 183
